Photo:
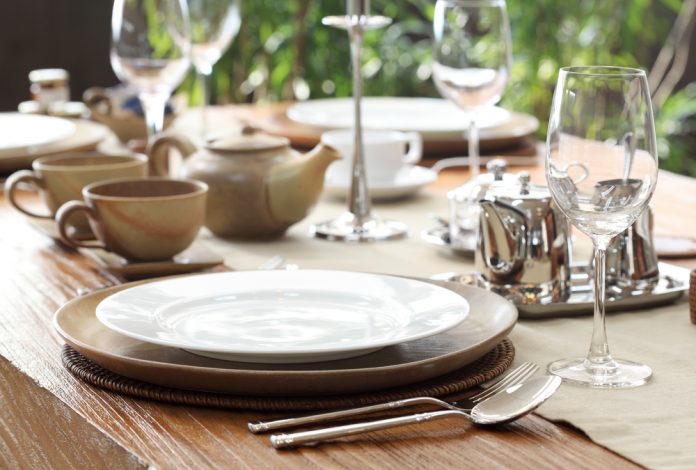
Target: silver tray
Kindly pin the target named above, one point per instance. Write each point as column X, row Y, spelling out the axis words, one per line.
column 673, row 282
column 439, row 236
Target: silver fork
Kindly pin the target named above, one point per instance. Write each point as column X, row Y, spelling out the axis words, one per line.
column 516, row 376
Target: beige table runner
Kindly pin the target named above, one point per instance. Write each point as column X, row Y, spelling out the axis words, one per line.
column 654, row 425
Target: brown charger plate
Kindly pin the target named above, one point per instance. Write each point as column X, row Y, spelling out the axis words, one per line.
column 515, row 136
column 490, row 320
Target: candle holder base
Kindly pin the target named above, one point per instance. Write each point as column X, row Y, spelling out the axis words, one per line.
column 353, row 229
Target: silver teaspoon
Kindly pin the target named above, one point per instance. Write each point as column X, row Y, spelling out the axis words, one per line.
column 515, row 402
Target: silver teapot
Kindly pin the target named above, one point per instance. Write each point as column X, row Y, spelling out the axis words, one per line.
column 631, row 256
column 523, row 247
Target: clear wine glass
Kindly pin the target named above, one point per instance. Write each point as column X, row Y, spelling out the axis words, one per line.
column 472, row 56
column 214, row 24
column 601, row 168
column 150, row 50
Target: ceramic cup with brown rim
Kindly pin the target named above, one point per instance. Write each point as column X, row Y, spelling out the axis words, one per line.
column 60, row 178
column 149, row 219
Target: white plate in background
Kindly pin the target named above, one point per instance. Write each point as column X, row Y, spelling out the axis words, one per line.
column 429, row 116
column 21, row 132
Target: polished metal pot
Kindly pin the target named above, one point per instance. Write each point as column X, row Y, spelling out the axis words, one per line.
column 523, row 248
column 631, row 256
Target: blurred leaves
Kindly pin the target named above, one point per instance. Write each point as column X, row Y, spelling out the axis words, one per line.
column 284, row 52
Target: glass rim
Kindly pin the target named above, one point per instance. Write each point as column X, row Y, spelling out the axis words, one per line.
column 475, row 3
column 603, row 71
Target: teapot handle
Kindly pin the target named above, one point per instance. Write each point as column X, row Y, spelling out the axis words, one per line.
column 97, row 96
column 159, row 152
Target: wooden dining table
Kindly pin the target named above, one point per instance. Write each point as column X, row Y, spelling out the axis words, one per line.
column 50, row 419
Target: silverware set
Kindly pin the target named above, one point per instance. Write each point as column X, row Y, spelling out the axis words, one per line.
column 507, row 399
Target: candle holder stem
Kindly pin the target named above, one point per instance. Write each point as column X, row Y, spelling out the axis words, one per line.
column 360, row 203
column 358, row 224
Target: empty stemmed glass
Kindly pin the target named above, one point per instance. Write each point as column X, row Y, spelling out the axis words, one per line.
column 150, row 47
column 214, row 24
column 471, row 58
column 601, row 168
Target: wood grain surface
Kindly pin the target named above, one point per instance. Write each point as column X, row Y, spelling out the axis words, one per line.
column 49, row 419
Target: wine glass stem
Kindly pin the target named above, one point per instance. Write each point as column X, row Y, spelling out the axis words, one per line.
column 153, row 106
column 599, row 355
column 203, row 78
column 359, row 204
column 474, row 157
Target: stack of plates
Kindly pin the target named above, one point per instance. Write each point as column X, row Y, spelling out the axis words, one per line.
column 285, row 332
column 430, row 117
column 441, row 124
column 24, row 137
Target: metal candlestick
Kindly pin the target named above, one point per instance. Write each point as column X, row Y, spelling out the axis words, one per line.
column 358, row 224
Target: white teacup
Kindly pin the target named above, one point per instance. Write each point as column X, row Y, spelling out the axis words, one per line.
column 386, row 152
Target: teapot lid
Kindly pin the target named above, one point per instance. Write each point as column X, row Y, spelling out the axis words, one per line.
column 476, row 188
column 522, row 190
column 248, row 142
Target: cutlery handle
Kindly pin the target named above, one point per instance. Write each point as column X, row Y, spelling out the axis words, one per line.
column 264, row 426
column 305, row 437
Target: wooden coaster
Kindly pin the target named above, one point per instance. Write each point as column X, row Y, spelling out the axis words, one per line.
column 489, row 366
column 675, row 247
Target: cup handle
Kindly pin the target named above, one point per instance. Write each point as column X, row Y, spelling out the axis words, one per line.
column 94, row 97
column 415, row 148
column 159, row 152
column 64, row 212
column 24, row 176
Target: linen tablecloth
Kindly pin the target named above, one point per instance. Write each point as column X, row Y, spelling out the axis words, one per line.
column 653, row 425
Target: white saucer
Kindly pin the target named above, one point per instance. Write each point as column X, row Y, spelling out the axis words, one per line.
column 407, row 182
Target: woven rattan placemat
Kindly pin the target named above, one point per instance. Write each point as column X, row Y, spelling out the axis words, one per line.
column 489, row 366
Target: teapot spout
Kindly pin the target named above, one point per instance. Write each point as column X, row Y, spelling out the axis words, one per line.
column 294, row 186
column 502, row 237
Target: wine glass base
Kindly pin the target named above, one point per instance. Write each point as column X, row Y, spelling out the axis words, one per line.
column 621, row 373
column 349, row 228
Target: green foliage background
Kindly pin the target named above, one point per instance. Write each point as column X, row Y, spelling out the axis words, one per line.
column 284, row 52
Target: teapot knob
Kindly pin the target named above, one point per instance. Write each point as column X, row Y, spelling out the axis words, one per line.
column 524, row 178
column 497, row 167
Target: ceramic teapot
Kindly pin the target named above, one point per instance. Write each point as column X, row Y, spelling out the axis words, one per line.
column 258, row 185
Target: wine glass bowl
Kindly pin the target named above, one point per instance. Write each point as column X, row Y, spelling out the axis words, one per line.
column 601, row 168
column 150, row 47
column 471, row 58
column 214, row 24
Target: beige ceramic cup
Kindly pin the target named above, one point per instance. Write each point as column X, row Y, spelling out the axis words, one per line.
column 60, row 178
column 149, row 219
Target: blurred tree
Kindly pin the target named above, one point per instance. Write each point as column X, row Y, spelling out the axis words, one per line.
column 284, row 52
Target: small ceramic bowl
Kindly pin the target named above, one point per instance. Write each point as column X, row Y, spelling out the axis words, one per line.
column 120, row 111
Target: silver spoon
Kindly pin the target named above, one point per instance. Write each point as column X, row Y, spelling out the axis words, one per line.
column 517, row 401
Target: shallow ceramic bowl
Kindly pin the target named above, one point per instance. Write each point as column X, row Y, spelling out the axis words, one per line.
column 105, row 108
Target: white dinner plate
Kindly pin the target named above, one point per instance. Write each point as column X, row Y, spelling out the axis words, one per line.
column 429, row 116
column 407, row 182
column 86, row 136
column 282, row 316
column 22, row 132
